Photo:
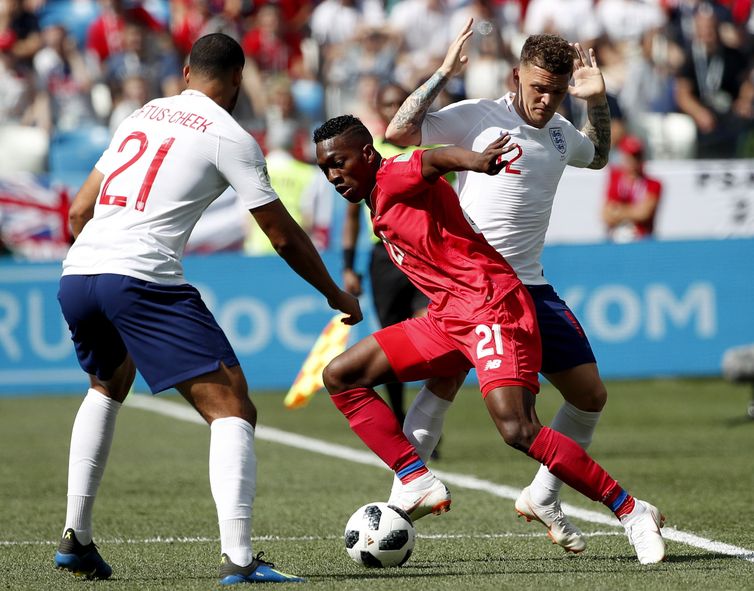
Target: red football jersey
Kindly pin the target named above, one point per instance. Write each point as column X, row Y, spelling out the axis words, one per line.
column 430, row 239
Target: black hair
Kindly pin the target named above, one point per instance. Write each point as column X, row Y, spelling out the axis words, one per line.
column 215, row 55
column 549, row 52
column 344, row 124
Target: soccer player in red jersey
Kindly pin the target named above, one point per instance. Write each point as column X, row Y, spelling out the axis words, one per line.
column 480, row 315
column 512, row 210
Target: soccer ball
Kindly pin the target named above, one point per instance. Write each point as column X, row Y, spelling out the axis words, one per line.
column 379, row 535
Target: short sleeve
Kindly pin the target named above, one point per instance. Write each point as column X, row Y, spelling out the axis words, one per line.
column 654, row 187
column 450, row 125
column 582, row 149
column 242, row 164
column 400, row 177
column 105, row 164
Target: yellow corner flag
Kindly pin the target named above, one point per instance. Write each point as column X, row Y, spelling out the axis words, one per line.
column 330, row 343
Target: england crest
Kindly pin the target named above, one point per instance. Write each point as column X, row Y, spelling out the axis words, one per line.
column 558, row 139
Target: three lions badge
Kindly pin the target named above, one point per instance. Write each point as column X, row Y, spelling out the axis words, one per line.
column 558, row 139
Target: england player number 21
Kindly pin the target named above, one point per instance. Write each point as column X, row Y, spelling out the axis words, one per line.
column 146, row 185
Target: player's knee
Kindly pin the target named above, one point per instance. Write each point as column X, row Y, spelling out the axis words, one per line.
column 517, row 433
column 334, row 376
column 446, row 387
column 592, row 399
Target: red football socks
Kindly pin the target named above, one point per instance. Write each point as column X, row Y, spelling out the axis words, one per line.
column 569, row 462
column 372, row 420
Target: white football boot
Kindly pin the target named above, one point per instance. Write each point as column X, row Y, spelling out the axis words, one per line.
column 435, row 499
column 642, row 527
column 559, row 529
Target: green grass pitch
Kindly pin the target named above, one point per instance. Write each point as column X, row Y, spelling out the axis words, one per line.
column 685, row 445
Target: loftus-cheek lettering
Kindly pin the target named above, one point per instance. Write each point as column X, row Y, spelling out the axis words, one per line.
column 184, row 118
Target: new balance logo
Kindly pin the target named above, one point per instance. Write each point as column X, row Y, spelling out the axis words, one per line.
column 493, row 364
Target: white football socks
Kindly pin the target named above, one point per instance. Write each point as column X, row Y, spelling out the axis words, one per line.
column 423, row 425
column 577, row 424
column 233, row 481
column 91, row 438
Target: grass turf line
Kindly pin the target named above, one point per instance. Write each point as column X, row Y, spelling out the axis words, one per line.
column 691, row 456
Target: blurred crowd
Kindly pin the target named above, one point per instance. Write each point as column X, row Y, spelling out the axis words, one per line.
column 680, row 73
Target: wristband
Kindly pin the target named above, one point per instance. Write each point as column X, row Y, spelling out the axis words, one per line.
column 349, row 255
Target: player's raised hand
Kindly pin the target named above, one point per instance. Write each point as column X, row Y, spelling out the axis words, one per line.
column 347, row 304
column 491, row 160
column 587, row 77
column 454, row 59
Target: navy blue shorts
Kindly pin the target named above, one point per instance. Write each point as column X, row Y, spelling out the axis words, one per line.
column 168, row 331
column 564, row 343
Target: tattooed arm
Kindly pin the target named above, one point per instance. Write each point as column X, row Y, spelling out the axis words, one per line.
column 597, row 129
column 406, row 127
column 590, row 86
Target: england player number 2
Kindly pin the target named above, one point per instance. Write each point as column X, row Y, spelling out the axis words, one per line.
column 146, row 185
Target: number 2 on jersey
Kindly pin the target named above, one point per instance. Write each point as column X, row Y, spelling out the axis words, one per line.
column 146, row 185
column 509, row 167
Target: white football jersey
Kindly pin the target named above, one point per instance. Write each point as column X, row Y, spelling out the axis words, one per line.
column 511, row 209
column 165, row 164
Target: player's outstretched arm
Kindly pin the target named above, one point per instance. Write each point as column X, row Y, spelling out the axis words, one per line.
column 295, row 247
column 405, row 129
column 351, row 227
column 439, row 161
column 589, row 85
column 82, row 206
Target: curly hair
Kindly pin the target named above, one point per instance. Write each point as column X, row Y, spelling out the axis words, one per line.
column 344, row 124
column 549, row 52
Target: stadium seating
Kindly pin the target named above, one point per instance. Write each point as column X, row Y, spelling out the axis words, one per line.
column 74, row 15
column 74, row 153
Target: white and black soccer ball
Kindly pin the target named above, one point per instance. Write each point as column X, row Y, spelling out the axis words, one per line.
column 379, row 535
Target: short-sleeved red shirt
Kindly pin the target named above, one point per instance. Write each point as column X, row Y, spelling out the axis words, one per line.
column 431, row 240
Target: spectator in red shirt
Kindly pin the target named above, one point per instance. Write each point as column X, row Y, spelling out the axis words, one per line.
column 632, row 197
column 269, row 44
column 105, row 35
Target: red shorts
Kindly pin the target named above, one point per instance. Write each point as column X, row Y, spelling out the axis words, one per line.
column 501, row 341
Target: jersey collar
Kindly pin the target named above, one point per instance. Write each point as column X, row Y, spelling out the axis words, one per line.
column 193, row 92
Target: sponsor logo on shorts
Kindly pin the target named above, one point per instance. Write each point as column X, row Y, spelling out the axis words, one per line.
column 493, row 364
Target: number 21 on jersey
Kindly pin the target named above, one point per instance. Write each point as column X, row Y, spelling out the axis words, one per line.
column 142, row 144
column 490, row 340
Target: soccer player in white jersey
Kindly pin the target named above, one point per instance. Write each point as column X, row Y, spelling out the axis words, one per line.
column 512, row 210
column 128, row 305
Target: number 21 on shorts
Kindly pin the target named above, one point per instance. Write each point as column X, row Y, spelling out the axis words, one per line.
column 146, row 185
column 490, row 340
